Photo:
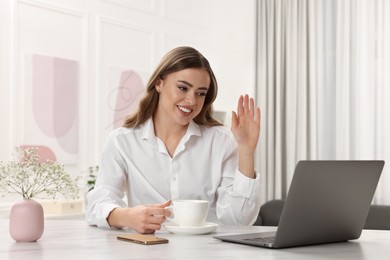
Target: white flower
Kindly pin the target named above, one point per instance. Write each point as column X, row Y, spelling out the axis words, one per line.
column 33, row 179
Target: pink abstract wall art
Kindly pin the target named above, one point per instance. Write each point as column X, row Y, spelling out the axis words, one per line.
column 124, row 98
column 55, row 98
column 51, row 100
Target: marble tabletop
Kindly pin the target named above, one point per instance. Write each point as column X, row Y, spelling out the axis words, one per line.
column 74, row 239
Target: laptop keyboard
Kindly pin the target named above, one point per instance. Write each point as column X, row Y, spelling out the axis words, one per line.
column 261, row 239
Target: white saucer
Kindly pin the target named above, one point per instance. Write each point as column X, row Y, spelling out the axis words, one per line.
column 205, row 229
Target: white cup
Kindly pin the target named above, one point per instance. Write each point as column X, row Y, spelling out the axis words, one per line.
column 189, row 213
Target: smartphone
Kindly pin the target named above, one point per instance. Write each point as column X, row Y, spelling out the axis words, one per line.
column 142, row 239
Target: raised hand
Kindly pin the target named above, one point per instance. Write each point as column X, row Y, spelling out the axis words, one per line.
column 246, row 130
column 246, row 123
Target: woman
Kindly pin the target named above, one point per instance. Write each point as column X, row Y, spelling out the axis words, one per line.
column 172, row 148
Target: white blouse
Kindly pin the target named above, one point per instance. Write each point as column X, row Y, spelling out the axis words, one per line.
column 205, row 166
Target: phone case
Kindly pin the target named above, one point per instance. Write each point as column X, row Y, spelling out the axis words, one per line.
column 142, row 239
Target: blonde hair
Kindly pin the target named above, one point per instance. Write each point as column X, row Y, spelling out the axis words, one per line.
column 175, row 60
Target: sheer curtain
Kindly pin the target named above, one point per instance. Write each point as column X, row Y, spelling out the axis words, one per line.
column 287, row 89
column 323, row 82
column 362, row 86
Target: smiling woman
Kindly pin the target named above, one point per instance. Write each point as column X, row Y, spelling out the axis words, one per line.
column 182, row 61
column 172, row 148
column 182, row 96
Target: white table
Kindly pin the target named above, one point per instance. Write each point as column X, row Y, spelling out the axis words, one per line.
column 74, row 239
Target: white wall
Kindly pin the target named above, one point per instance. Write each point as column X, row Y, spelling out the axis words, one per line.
column 233, row 45
column 6, row 79
column 128, row 34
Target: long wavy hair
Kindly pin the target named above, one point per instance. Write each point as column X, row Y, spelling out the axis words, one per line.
column 175, row 60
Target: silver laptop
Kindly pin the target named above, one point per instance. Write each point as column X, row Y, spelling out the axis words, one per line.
column 328, row 201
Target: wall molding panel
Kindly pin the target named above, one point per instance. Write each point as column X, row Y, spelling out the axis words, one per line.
column 52, row 7
column 147, row 6
column 192, row 13
column 133, row 48
column 61, row 24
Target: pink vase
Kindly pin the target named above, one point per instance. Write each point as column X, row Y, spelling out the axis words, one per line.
column 26, row 222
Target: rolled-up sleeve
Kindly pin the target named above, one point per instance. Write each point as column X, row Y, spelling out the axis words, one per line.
column 108, row 192
column 238, row 195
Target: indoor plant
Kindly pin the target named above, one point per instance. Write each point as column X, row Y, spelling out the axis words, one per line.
column 92, row 175
column 30, row 178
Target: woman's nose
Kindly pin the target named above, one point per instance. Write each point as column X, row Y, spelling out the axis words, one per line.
column 190, row 98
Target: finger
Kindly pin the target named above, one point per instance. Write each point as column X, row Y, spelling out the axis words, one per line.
column 234, row 120
column 151, row 224
column 153, row 210
column 157, row 220
column 153, row 227
column 162, row 205
column 146, row 231
column 257, row 115
column 246, row 104
column 240, row 109
column 165, row 204
column 252, row 108
column 159, row 212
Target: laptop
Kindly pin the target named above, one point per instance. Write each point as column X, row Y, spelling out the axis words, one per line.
column 328, row 201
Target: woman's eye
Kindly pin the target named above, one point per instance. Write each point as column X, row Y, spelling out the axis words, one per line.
column 202, row 94
column 183, row 88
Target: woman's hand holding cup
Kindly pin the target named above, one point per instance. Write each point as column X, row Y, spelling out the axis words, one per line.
column 144, row 219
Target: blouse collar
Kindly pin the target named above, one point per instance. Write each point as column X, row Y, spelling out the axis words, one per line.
column 148, row 131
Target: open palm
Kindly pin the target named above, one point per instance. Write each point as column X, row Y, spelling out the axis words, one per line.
column 246, row 123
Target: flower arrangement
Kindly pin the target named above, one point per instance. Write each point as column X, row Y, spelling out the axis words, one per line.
column 30, row 178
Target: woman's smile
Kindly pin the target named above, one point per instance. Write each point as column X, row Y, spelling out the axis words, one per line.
column 184, row 109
